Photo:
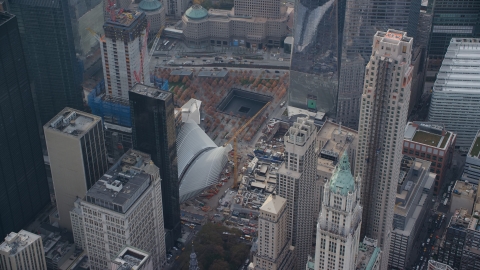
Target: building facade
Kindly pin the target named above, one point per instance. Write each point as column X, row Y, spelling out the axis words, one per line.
column 459, row 20
column 217, row 27
column 471, row 254
column 23, row 181
column 274, row 250
column 455, row 92
column 463, row 196
column 23, row 250
column 452, row 242
column 471, row 171
column 412, row 203
column 55, row 72
column 153, row 126
column 363, row 19
column 124, row 53
column 78, row 229
column 340, row 220
column 77, row 156
column 383, row 116
column 125, row 208
column 433, row 143
column 296, row 182
column 317, row 32
column 155, row 12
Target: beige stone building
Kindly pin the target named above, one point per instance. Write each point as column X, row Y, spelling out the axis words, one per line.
column 78, row 158
column 23, row 250
column 274, row 249
column 245, row 25
column 155, row 12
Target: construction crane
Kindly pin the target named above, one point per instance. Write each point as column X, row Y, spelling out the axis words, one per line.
column 139, row 77
column 234, row 138
column 95, row 35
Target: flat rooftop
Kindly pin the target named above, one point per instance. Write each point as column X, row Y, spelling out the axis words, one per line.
column 150, row 91
column 125, row 18
column 336, row 139
column 464, row 190
column 5, row 17
column 72, row 122
column 131, row 258
column 213, row 74
column 428, row 134
column 368, row 253
column 123, row 183
column 16, row 242
column 475, row 148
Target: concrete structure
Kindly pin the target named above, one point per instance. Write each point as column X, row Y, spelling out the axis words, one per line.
column 155, row 12
column 471, row 249
column 154, row 132
column 333, row 140
column 229, row 28
column 434, row 265
column 58, row 251
column 22, row 250
column 123, row 48
column 456, row 94
column 363, row 19
column 274, row 250
column 125, row 207
column 412, row 203
column 340, row 220
column 432, row 143
column 78, row 228
column 452, row 242
column 131, row 258
column 471, row 171
column 369, row 255
column 463, row 196
column 200, row 160
column 383, row 115
column 77, row 156
column 296, row 183
column 23, row 181
column 191, row 111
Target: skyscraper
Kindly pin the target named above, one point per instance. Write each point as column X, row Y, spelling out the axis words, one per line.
column 47, row 35
column 296, row 183
column 23, row 181
column 383, row 115
column 274, row 251
column 153, row 129
column 363, row 18
column 318, row 27
column 19, row 246
column 78, row 158
column 339, row 222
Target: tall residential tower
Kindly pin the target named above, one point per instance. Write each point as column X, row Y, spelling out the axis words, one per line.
column 383, row 115
column 296, row 183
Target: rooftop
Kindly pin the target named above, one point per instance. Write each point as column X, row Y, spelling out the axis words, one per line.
column 394, row 36
column 5, row 17
column 475, row 148
column 368, row 254
column 16, row 242
column 150, row 5
column 196, row 12
column 428, row 134
column 124, row 18
column 123, row 183
column 342, row 181
column 213, row 74
column 460, row 219
column 273, row 204
column 131, row 258
column 73, row 122
column 464, row 190
column 150, row 91
column 335, row 139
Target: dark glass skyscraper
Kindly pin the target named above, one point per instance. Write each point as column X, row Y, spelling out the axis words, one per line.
column 363, row 18
column 23, row 181
column 56, row 74
column 318, row 27
column 153, row 128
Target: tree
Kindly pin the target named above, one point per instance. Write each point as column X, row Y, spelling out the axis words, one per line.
column 219, row 265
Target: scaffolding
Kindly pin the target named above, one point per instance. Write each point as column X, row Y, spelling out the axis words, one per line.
column 112, row 110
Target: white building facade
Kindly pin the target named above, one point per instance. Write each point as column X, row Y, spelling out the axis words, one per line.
column 274, row 251
column 296, row 183
column 340, row 220
column 456, row 95
column 125, row 208
column 22, row 250
column 383, row 116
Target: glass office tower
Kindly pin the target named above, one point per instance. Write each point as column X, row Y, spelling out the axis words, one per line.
column 153, row 128
column 23, row 181
column 363, row 18
column 318, row 27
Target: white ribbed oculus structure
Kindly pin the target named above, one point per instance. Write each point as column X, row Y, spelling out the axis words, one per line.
column 200, row 160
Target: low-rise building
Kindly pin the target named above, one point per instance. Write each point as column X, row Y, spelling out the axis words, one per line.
column 369, row 255
column 463, row 196
column 413, row 200
column 431, row 142
column 471, row 171
column 22, row 250
column 131, row 258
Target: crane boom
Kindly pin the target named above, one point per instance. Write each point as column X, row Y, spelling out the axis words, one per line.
column 155, row 43
column 234, row 138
